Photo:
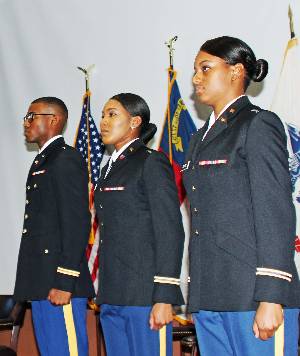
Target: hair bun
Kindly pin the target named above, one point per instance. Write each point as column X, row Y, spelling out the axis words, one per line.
column 261, row 70
column 148, row 132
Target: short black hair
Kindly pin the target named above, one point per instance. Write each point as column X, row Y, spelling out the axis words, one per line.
column 233, row 50
column 7, row 351
column 52, row 100
column 136, row 106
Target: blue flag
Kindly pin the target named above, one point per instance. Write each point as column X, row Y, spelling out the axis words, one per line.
column 177, row 131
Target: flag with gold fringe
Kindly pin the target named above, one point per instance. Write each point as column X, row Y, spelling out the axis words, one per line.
column 88, row 142
column 177, row 131
column 286, row 105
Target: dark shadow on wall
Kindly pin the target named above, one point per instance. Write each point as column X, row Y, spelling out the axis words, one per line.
column 255, row 89
column 203, row 111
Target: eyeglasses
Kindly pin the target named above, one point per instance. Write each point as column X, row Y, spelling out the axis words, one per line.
column 29, row 117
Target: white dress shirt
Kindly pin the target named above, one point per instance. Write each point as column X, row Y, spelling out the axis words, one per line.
column 213, row 119
column 115, row 155
column 46, row 144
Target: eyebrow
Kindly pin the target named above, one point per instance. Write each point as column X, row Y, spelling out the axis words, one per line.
column 112, row 108
column 205, row 60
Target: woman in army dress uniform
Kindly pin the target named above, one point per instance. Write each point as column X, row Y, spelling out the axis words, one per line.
column 141, row 234
column 243, row 280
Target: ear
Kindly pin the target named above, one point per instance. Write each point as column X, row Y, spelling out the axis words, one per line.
column 54, row 120
column 238, row 71
column 136, row 121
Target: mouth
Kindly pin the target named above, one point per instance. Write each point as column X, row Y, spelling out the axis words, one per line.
column 104, row 132
column 199, row 89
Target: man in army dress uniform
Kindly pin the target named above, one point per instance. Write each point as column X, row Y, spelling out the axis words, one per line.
column 52, row 269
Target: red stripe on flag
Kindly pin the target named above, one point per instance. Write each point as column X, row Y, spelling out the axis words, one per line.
column 179, row 183
column 91, row 249
column 88, row 251
column 178, row 178
column 95, row 224
column 297, row 244
column 95, row 269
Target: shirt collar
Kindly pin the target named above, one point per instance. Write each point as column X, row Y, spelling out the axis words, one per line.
column 46, row 144
column 212, row 115
column 115, row 155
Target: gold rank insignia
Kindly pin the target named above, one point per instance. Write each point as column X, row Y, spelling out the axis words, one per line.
column 222, row 119
column 131, row 149
column 232, row 110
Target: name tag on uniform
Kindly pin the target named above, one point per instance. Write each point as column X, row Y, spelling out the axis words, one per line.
column 39, row 172
column 185, row 166
column 111, row 189
column 214, row 162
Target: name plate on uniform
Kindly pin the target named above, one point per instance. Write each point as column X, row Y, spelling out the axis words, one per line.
column 214, row 162
column 39, row 172
column 110, row 189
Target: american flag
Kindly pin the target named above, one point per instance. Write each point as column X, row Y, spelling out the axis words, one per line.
column 88, row 142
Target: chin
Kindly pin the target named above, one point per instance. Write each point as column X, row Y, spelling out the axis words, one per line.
column 107, row 141
column 28, row 139
column 203, row 99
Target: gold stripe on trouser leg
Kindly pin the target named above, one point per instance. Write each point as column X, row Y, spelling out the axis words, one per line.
column 71, row 332
column 163, row 341
column 279, row 341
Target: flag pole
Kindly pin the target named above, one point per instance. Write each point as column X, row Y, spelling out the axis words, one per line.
column 86, row 101
column 170, row 45
column 86, row 76
column 291, row 17
column 86, row 72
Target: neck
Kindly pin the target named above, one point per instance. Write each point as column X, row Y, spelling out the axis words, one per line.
column 42, row 141
column 218, row 107
column 123, row 142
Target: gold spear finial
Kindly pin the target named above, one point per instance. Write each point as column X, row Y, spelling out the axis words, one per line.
column 291, row 22
column 86, row 72
column 170, row 44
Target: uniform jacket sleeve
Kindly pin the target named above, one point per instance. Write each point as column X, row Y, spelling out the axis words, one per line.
column 167, row 226
column 273, row 210
column 71, row 188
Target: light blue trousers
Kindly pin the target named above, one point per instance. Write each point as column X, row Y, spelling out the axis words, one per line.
column 230, row 334
column 127, row 333
column 61, row 330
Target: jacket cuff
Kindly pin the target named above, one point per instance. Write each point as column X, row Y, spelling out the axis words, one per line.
column 271, row 289
column 167, row 290
column 65, row 279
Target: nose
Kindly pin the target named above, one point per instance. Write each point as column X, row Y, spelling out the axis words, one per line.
column 26, row 123
column 197, row 78
column 103, row 123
